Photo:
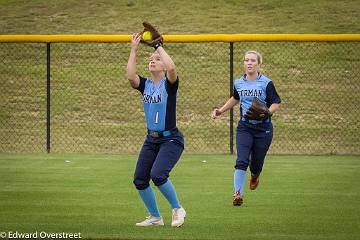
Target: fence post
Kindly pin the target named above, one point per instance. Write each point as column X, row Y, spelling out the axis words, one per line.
column 48, row 89
column 231, row 93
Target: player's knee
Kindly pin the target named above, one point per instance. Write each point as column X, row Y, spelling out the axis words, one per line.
column 158, row 178
column 241, row 166
column 140, row 184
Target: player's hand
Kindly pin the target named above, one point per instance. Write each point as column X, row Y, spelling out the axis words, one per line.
column 135, row 41
column 216, row 113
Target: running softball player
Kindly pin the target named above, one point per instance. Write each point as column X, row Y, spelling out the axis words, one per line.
column 164, row 143
column 254, row 131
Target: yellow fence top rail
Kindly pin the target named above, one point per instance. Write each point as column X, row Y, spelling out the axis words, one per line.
column 188, row 38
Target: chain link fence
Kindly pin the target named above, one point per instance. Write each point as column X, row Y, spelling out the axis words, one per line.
column 93, row 109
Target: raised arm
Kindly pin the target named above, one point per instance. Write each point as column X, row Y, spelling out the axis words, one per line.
column 131, row 65
column 228, row 105
column 169, row 64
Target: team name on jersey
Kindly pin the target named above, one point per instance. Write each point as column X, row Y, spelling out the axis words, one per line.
column 152, row 99
column 250, row 92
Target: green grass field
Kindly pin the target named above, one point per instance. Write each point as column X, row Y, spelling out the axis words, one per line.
column 299, row 197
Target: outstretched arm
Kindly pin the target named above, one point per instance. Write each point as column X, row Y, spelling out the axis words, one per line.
column 131, row 65
column 228, row 105
column 169, row 64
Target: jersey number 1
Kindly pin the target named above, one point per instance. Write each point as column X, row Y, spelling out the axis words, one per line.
column 157, row 118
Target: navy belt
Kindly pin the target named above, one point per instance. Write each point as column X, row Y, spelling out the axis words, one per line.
column 243, row 119
column 167, row 133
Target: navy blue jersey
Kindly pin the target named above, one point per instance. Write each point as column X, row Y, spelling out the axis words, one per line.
column 159, row 103
column 262, row 88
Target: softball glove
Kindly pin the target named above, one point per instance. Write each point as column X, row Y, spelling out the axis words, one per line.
column 156, row 39
column 257, row 110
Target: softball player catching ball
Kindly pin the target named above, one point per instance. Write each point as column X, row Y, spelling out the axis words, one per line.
column 164, row 143
column 254, row 132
